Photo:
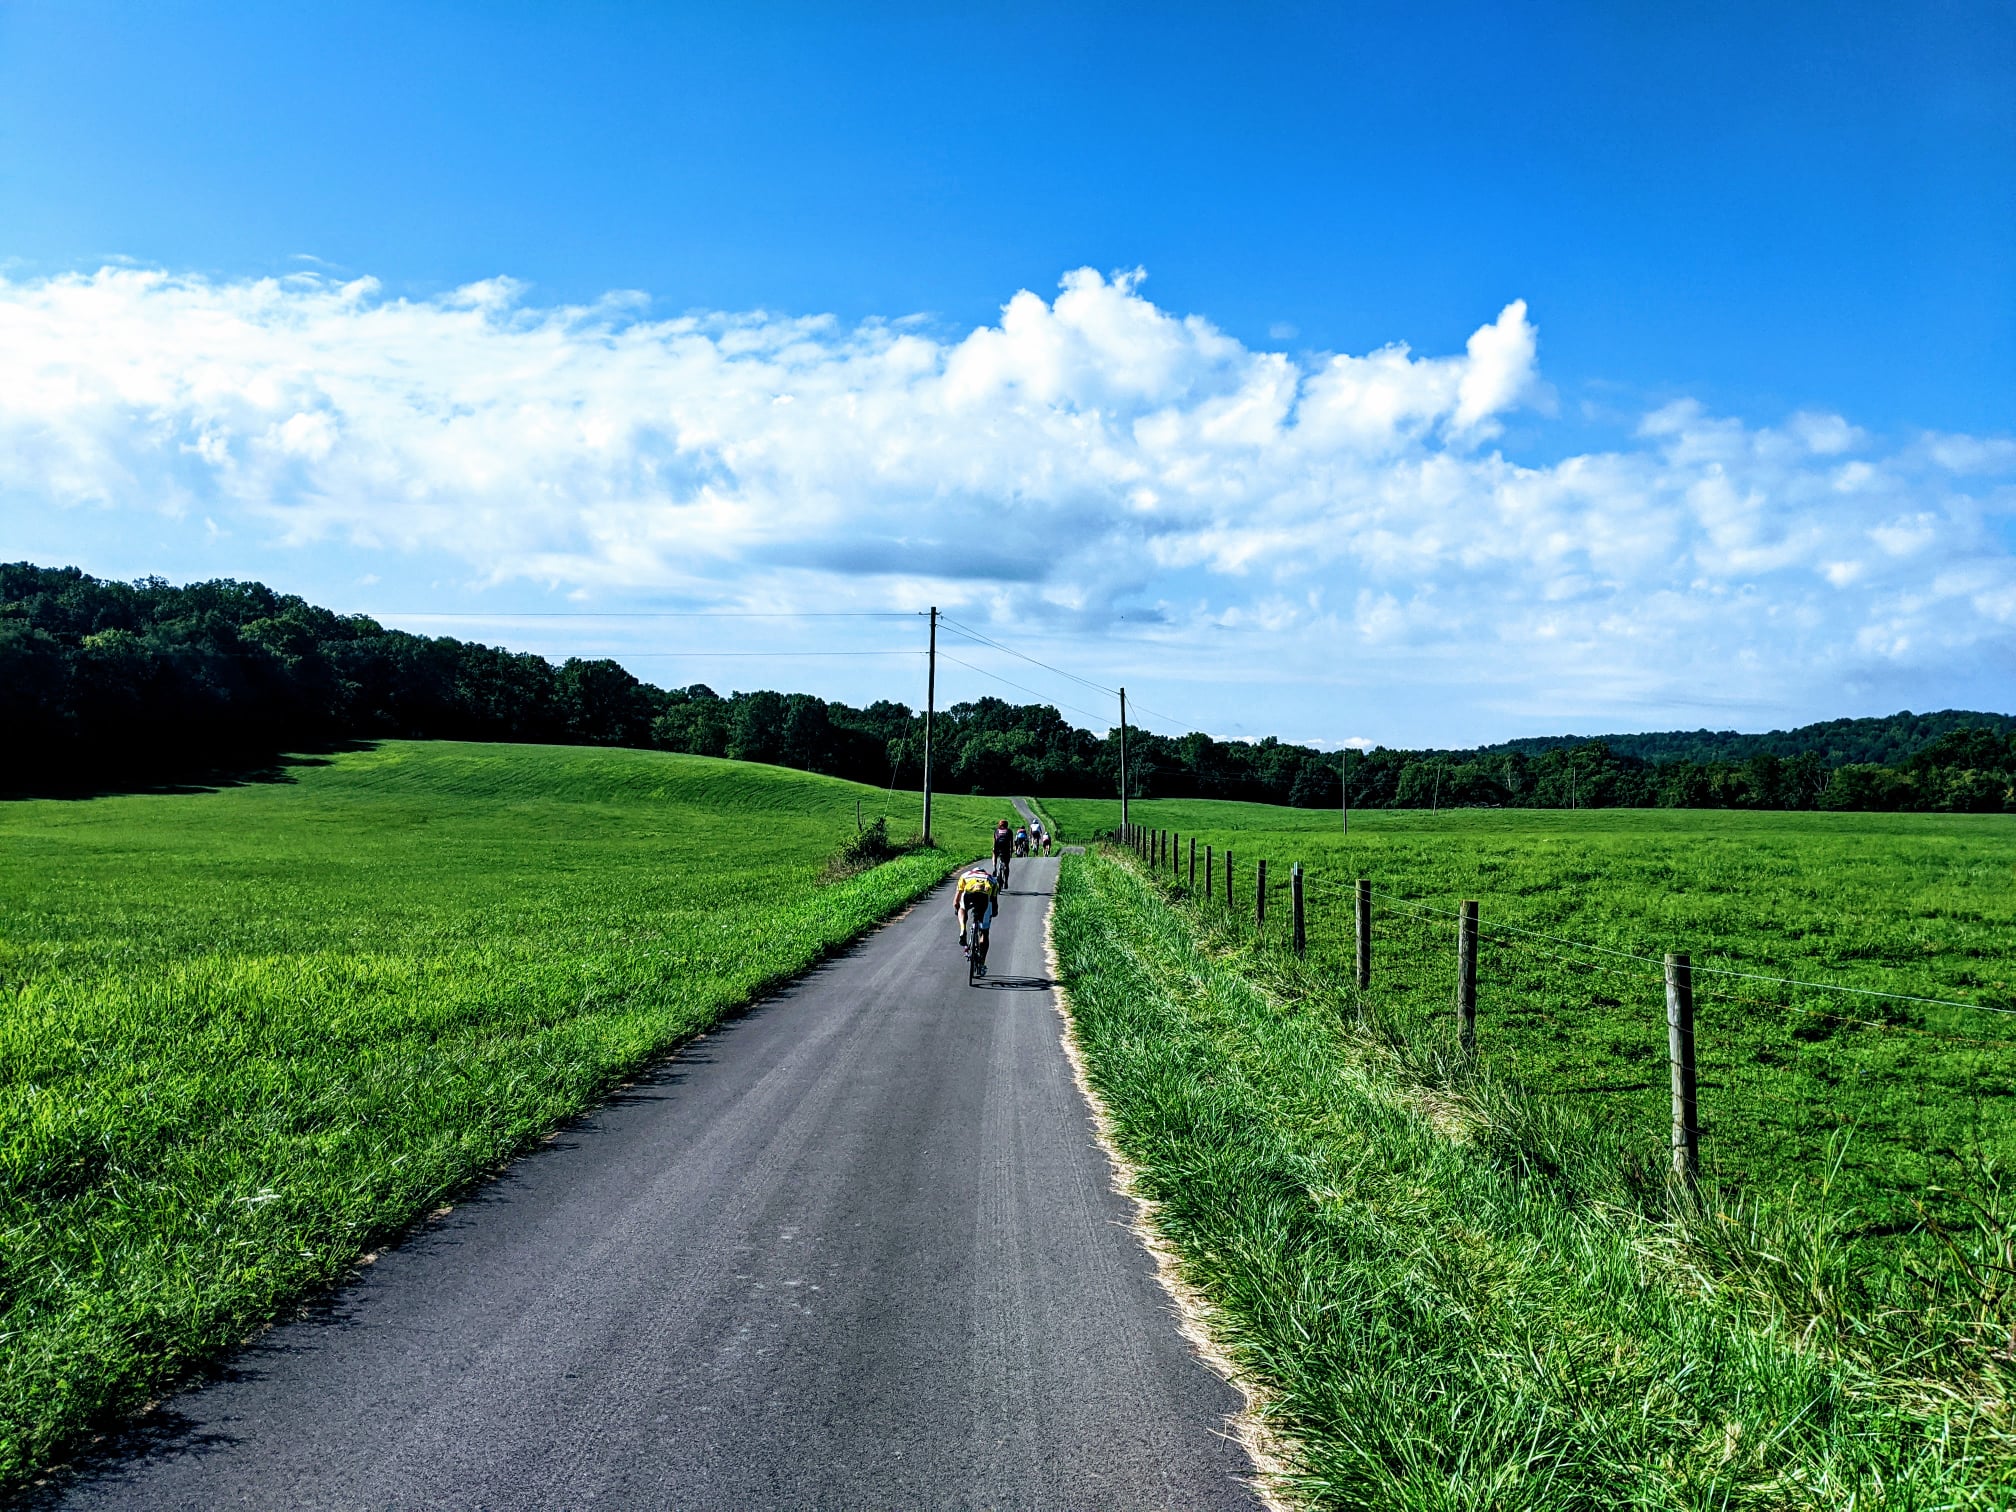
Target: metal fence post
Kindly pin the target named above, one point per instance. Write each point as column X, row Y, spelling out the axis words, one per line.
column 1364, row 933
column 1466, row 976
column 1295, row 905
column 1680, row 1051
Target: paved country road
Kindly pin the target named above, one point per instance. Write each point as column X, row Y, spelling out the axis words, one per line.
column 856, row 1249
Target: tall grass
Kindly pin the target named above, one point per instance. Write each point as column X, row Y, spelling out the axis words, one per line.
column 1459, row 1297
column 247, row 1035
column 1891, row 1107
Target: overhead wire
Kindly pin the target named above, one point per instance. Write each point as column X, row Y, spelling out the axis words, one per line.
column 972, row 634
column 1009, row 682
column 512, row 614
column 957, row 627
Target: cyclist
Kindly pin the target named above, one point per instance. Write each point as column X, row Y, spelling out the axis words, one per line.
column 1004, row 848
column 1021, row 841
column 973, row 906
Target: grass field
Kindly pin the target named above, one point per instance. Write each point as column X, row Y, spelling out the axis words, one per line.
column 248, row 1034
column 1455, row 1300
column 1879, row 1101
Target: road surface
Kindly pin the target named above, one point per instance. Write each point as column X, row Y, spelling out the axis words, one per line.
column 856, row 1249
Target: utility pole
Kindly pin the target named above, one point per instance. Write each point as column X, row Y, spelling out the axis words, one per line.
column 1346, row 781
column 930, row 707
column 1123, row 761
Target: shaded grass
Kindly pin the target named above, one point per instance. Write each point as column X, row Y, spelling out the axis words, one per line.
column 247, row 1035
column 1893, row 1107
column 1457, row 1298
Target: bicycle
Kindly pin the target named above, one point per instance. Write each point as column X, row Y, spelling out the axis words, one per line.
column 976, row 958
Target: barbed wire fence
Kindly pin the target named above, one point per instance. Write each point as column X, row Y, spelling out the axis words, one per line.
column 1455, row 981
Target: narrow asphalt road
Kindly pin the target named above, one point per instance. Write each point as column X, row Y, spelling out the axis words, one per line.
column 855, row 1250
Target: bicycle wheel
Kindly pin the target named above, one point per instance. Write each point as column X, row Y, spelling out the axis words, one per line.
column 976, row 963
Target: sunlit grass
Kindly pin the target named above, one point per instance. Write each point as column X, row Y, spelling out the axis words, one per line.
column 1457, row 1297
column 245, row 1035
column 1882, row 1101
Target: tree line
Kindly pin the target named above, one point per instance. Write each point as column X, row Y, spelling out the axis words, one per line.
column 109, row 684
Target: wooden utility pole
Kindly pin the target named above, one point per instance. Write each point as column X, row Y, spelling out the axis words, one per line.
column 1123, row 760
column 1680, row 1051
column 1344, row 780
column 930, row 708
column 1466, row 976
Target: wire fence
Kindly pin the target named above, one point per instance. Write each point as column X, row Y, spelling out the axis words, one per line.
column 1784, row 1077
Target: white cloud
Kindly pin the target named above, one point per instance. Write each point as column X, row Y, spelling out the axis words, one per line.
column 1077, row 455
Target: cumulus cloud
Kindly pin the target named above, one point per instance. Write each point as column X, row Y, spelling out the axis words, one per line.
column 1080, row 456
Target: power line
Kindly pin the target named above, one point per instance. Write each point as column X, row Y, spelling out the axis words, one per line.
column 964, row 630
column 948, row 656
column 514, row 614
column 973, row 634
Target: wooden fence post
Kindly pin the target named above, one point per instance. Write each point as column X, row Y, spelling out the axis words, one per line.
column 1175, row 849
column 1260, row 893
column 1466, row 976
column 1364, row 933
column 1193, row 863
column 1680, row 1050
column 1295, row 905
column 1228, row 877
column 1207, row 871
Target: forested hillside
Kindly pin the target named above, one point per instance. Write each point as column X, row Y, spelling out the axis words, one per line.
column 106, row 684
column 1888, row 740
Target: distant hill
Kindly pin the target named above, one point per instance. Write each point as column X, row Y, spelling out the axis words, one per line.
column 1885, row 740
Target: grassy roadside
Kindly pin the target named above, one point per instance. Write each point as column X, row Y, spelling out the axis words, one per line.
column 245, row 1036
column 1888, row 1104
column 1454, row 1302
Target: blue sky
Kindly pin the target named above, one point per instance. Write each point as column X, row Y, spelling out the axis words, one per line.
column 1742, row 458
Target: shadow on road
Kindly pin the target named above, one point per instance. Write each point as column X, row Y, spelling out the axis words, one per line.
column 1013, row 984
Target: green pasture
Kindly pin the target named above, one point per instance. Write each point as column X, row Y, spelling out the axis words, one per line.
column 1887, row 1105
column 247, row 1034
column 1456, row 1299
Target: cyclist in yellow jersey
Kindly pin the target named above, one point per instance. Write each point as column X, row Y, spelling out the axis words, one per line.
column 973, row 901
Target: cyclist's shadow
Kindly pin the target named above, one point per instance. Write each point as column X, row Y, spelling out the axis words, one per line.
column 1014, row 983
